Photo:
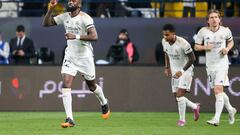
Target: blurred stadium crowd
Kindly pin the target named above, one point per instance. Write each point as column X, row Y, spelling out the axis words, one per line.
column 124, row 8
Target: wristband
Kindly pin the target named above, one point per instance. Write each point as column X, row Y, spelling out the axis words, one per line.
column 182, row 71
column 77, row 37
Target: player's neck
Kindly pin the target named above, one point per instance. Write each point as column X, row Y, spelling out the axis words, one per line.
column 173, row 41
column 214, row 28
column 75, row 13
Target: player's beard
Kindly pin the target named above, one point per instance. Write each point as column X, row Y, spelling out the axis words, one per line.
column 71, row 8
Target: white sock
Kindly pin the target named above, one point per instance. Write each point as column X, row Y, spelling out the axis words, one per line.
column 218, row 106
column 227, row 102
column 67, row 102
column 100, row 96
column 181, row 107
column 190, row 104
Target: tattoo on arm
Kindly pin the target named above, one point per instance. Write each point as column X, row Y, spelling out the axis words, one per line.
column 191, row 60
column 91, row 35
column 167, row 64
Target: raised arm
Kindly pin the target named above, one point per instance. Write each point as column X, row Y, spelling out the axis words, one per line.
column 48, row 18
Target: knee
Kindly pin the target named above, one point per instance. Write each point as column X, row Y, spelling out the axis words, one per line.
column 92, row 87
column 180, row 93
column 218, row 90
column 67, row 83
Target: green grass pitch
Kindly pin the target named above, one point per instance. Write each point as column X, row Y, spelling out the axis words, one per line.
column 120, row 123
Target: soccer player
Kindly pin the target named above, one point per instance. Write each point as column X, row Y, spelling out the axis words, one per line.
column 80, row 30
column 216, row 41
column 179, row 58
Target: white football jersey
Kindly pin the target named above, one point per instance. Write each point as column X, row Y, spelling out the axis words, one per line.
column 214, row 59
column 177, row 53
column 77, row 25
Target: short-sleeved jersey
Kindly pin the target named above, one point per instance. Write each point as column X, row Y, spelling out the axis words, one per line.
column 177, row 53
column 77, row 25
column 214, row 59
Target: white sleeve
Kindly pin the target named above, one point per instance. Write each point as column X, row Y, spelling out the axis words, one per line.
column 88, row 22
column 199, row 38
column 59, row 19
column 229, row 34
column 187, row 48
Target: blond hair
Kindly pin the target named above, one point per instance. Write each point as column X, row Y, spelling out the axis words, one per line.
column 214, row 11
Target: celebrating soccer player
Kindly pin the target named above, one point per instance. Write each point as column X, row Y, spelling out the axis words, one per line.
column 80, row 30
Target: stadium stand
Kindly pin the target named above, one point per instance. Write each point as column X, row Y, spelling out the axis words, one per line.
column 120, row 8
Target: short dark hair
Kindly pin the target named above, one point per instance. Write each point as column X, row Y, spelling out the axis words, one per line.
column 124, row 31
column 20, row 28
column 169, row 27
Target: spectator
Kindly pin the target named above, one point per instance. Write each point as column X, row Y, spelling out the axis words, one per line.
column 21, row 47
column 124, row 51
column 103, row 10
column 229, row 5
column 189, row 6
column 214, row 4
column 4, row 51
column 121, row 10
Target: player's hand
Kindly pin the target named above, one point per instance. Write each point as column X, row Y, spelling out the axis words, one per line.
column 21, row 53
column 14, row 52
column 224, row 51
column 209, row 47
column 177, row 75
column 167, row 72
column 70, row 36
column 53, row 3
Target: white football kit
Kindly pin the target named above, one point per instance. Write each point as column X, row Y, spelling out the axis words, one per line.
column 217, row 64
column 178, row 58
column 78, row 54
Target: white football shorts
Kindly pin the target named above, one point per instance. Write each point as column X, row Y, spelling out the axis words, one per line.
column 219, row 77
column 184, row 82
column 73, row 65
